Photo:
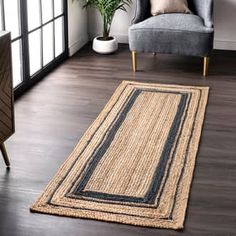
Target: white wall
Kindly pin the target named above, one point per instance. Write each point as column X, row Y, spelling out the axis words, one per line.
column 77, row 26
column 225, row 24
column 119, row 27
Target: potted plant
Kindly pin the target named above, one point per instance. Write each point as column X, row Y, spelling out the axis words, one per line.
column 106, row 43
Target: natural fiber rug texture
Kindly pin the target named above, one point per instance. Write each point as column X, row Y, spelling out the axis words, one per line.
column 135, row 163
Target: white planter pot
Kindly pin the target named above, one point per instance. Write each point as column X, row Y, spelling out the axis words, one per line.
column 105, row 46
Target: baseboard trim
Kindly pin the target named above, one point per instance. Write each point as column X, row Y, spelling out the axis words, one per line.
column 122, row 38
column 225, row 44
column 75, row 47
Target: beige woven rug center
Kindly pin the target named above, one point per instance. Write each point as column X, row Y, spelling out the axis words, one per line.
column 135, row 163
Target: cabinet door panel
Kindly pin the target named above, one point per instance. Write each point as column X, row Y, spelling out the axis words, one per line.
column 5, row 54
column 6, row 110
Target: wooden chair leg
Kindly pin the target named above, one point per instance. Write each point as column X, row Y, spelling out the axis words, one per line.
column 206, row 66
column 4, row 154
column 134, row 61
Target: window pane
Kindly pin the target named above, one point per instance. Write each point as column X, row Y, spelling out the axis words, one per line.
column 58, row 7
column 33, row 12
column 47, row 10
column 1, row 23
column 35, row 51
column 47, row 43
column 11, row 9
column 59, row 36
column 16, row 63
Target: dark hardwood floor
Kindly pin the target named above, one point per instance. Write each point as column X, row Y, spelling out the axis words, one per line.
column 53, row 115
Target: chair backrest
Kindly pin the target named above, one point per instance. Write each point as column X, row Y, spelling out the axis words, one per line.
column 145, row 4
column 192, row 6
column 148, row 6
column 204, row 9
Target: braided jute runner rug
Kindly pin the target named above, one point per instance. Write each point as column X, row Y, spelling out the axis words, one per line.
column 135, row 163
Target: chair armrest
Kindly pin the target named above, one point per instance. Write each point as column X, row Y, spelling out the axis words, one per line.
column 204, row 8
column 143, row 11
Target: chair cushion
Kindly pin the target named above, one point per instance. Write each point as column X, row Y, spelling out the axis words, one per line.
column 183, row 22
column 172, row 33
column 169, row 6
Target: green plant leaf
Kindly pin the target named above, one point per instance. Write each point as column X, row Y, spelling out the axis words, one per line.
column 107, row 9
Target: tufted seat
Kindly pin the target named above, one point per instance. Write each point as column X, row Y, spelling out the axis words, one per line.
column 175, row 33
column 183, row 34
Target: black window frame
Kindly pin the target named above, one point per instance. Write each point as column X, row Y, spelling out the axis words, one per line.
column 27, row 80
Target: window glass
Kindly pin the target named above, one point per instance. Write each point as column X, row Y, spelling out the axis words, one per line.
column 1, row 23
column 16, row 62
column 58, row 7
column 47, row 43
column 33, row 13
column 35, row 51
column 12, row 23
column 47, row 11
column 59, row 34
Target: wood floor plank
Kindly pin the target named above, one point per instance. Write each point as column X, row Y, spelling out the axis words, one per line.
column 53, row 115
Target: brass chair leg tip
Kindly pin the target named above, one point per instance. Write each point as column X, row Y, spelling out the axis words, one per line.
column 134, row 61
column 205, row 66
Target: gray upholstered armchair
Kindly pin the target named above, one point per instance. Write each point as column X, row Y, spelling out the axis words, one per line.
column 183, row 34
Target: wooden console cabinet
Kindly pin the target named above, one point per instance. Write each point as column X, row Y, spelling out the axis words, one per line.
column 7, row 127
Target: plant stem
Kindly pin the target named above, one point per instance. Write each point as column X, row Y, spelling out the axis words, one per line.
column 105, row 28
